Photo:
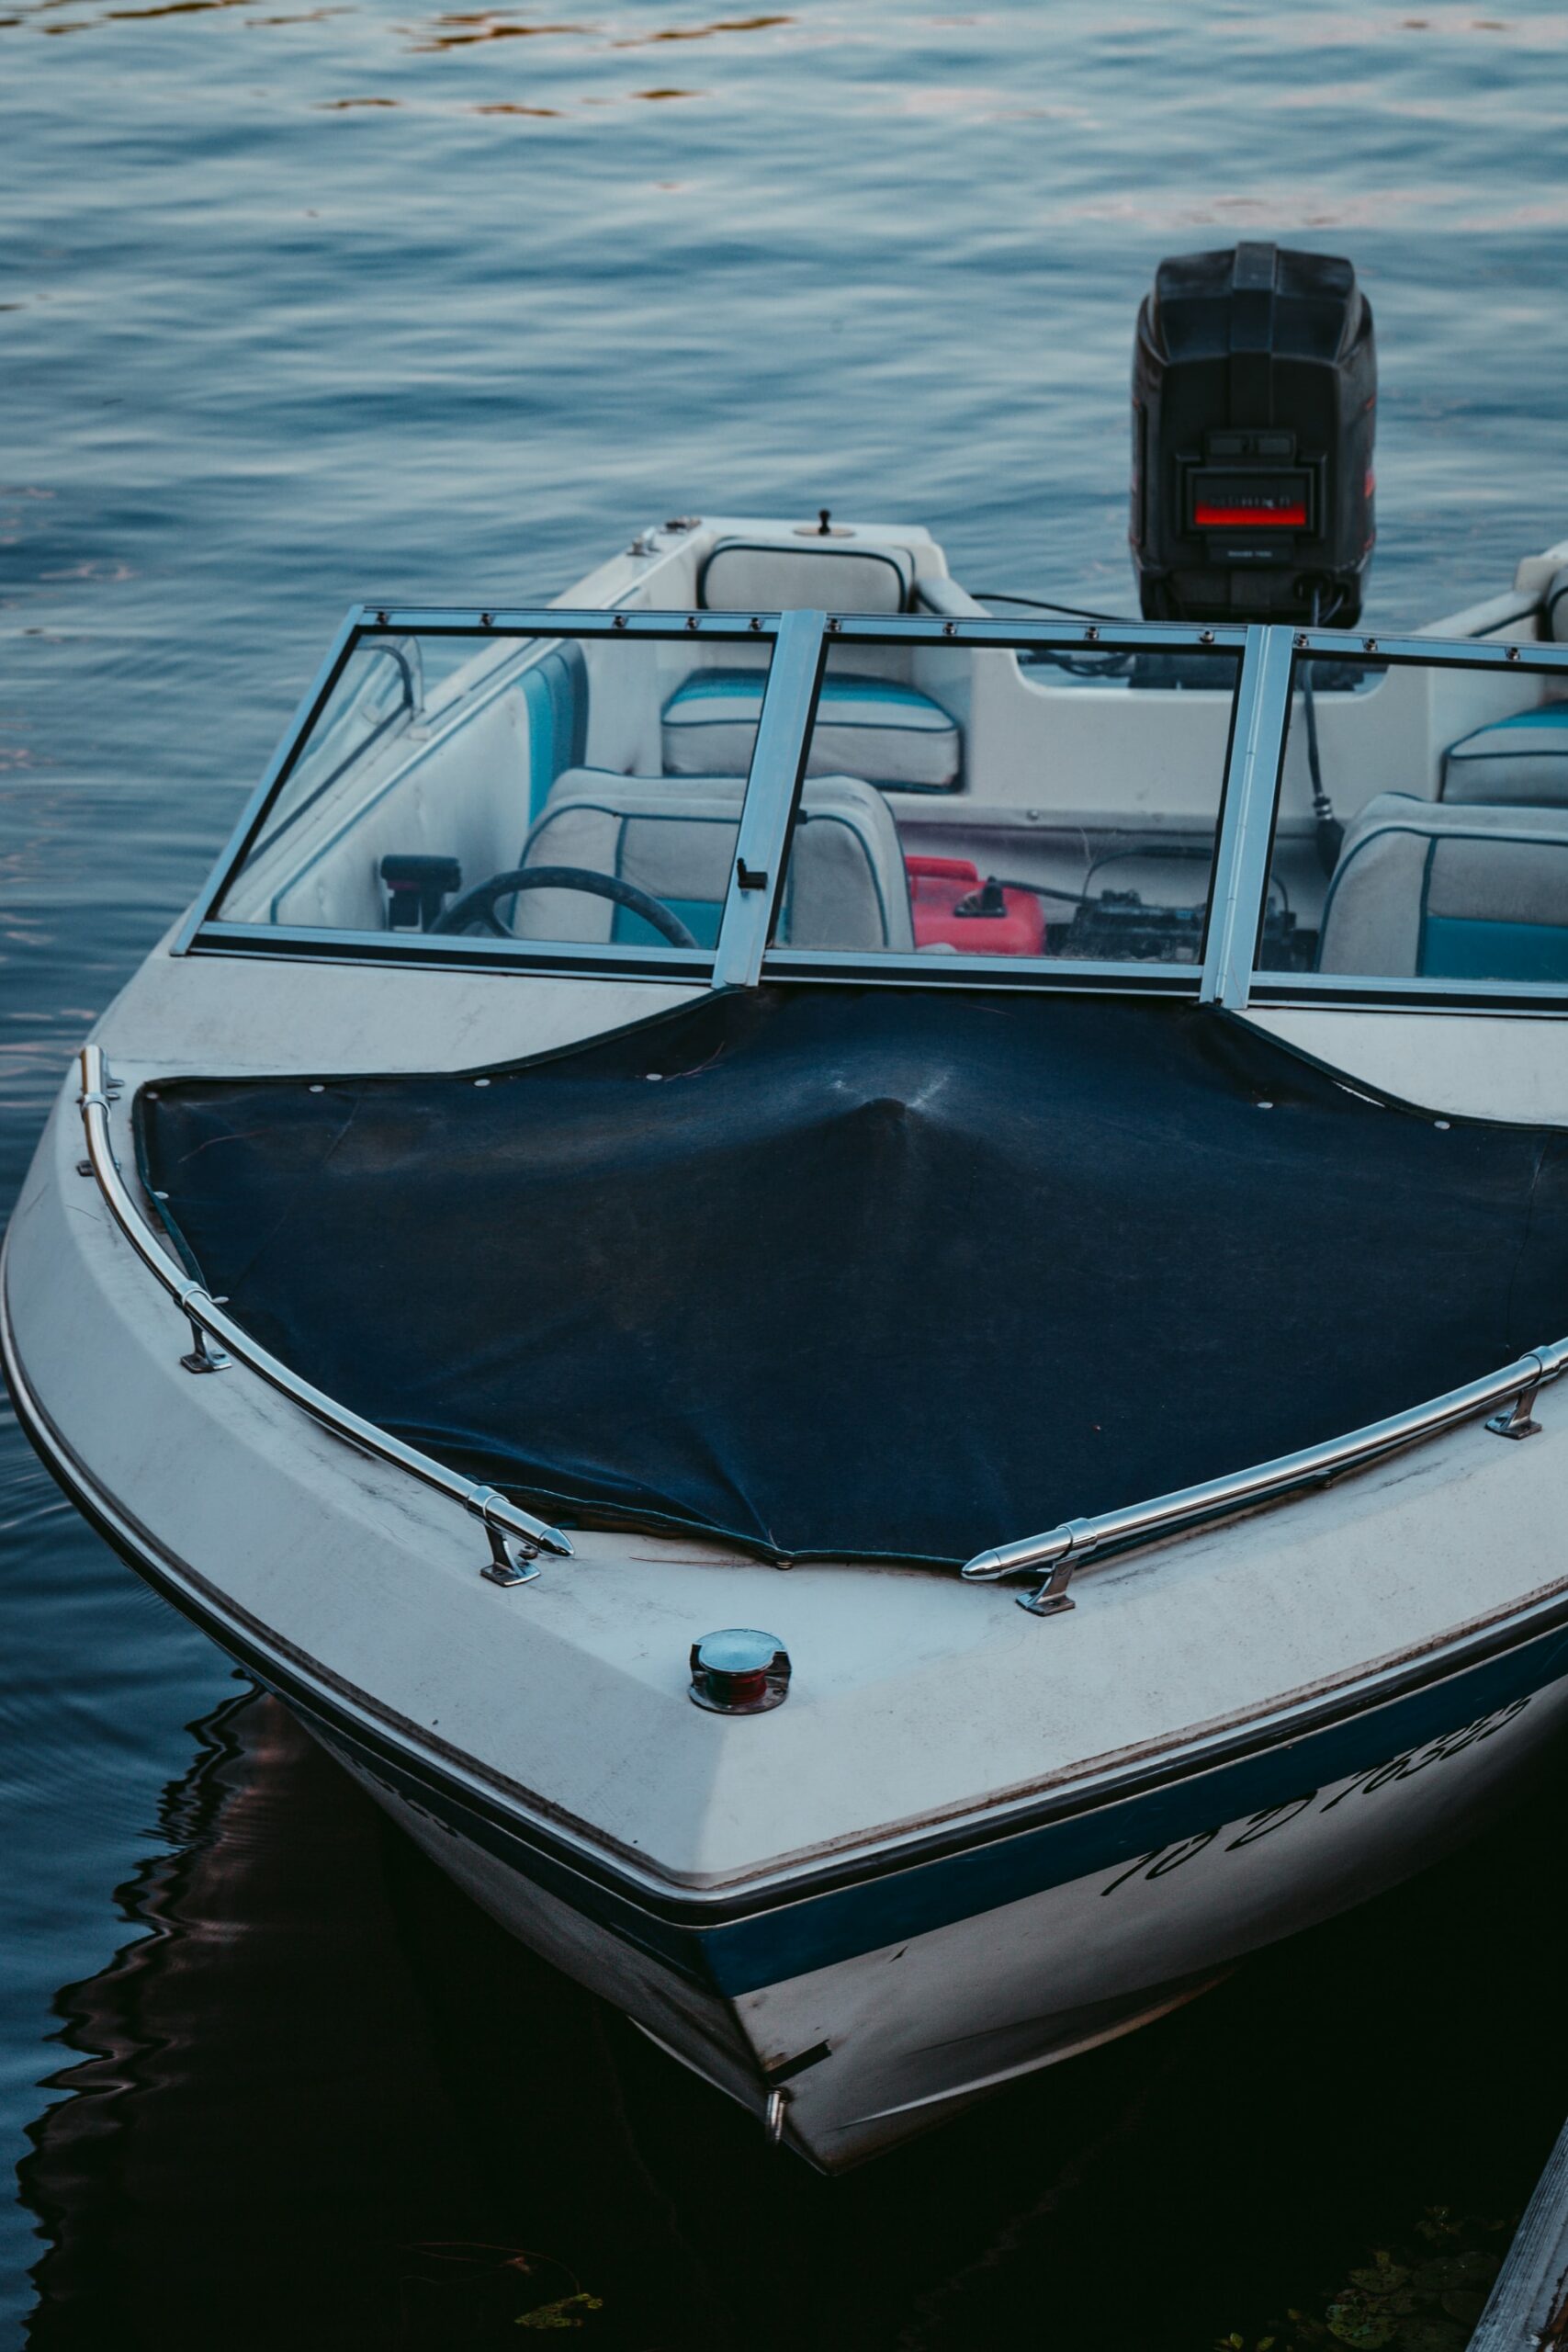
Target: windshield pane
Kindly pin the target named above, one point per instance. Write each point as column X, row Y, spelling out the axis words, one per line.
column 377, row 693
column 1016, row 802
column 481, row 784
column 1422, row 827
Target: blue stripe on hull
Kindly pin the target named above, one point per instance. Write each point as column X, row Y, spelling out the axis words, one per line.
column 772, row 1946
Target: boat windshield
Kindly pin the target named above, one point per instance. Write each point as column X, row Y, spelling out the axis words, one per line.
column 1019, row 801
column 1420, row 832
column 720, row 796
column 459, row 785
column 587, row 792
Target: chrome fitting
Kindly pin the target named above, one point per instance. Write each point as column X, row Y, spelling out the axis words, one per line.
column 738, row 1672
column 1517, row 1420
column 513, row 1558
column 205, row 1354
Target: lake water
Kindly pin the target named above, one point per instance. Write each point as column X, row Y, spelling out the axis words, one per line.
column 305, row 303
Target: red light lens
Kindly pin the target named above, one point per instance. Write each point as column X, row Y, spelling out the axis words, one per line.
column 1264, row 516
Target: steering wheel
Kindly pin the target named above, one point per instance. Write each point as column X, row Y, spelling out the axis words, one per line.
column 477, row 905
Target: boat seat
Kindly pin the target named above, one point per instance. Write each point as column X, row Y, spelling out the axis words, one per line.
column 554, row 688
column 875, row 728
column 1554, row 608
column 818, row 575
column 1434, row 890
column 1518, row 762
column 675, row 836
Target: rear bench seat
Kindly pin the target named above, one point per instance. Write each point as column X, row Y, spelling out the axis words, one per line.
column 868, row 725
column 1518, row 763
column 891, row 734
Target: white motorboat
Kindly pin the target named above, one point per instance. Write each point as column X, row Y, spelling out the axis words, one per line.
column 707, row 1141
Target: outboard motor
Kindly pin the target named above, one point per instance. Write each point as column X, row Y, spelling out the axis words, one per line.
column 1254, row 406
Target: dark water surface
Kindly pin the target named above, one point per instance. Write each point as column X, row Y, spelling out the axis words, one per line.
column 299, row 303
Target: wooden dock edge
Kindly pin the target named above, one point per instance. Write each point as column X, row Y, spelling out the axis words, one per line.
column 1528, row 2308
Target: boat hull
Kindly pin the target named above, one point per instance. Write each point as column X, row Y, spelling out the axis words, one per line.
column 875, row 2046
column 875, row 1984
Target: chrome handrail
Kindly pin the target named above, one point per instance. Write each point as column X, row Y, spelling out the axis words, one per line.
column 516, row 1537
column 1063, row 1548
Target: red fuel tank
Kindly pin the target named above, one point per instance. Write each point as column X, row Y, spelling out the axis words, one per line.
column 999, row 922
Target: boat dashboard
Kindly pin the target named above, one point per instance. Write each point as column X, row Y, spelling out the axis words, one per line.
column 829, row 760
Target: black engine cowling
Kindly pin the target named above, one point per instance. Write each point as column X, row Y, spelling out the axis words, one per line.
column 1254, row 408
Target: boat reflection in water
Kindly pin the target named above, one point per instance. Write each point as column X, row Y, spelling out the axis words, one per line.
column 322, row 2101
column 278, row 2130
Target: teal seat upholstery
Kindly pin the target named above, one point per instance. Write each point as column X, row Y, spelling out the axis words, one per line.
column 1424, row 890
column 555, row 695
column 890, row 734
column 1518, row 762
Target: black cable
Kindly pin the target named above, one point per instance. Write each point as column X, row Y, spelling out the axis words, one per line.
column 1044, row 890
column 1330, row 832
column 1072, row 612
column 1078, row 665
column 1097, row 897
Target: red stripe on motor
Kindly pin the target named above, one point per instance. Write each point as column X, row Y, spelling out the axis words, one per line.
column 1251, row 518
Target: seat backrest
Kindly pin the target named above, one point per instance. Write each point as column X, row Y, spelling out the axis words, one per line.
column 1518, row 762
column 1424, row 889
column 877, row 729
column 675, row 836
column 847, row 885
column 785, row 575
column 1554, row 608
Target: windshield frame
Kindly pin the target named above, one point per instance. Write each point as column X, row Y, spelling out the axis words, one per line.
column 1147, row 975
column 800, row 643
column 204, row 930
column 1327, row 992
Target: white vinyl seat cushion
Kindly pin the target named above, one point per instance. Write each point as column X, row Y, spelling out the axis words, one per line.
column 805, row 573
column 1428, row 889
column 676, row 836
column 1518, row 762
column 875, row 728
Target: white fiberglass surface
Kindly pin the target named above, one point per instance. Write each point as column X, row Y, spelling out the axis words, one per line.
column 1421, row 832
column 1024, row 802
column 455, row 784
